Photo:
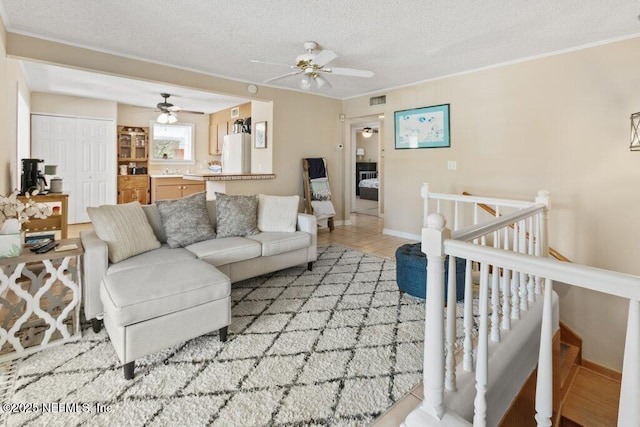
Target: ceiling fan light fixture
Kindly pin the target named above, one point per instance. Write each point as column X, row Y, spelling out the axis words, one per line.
column 163, row 118
column 367, row 132
column 172, row 118
column 305, row 83
column 320, row 81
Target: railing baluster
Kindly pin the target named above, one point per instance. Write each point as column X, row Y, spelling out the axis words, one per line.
column 524, row 302
column 544, row 381
column 538, row 251
column 530, row 286
column 450, row 362
column 629, row 410
column 506, row 287
column 424, row 192
column 482, row 364
column 455, row 216
column 475, row 219
column 467, row 359
column 495, row 304
column 515, row 279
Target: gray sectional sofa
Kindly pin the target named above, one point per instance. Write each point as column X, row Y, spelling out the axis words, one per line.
column 238, row 258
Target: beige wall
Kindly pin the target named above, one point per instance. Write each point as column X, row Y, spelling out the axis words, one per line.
column 559, row 123
column 11, row 81
column 370, row 146
column 262, row 158
column 74, row 106
column 303, row 125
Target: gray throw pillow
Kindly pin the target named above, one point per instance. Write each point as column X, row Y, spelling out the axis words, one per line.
column 237, row 216
column 186, row 220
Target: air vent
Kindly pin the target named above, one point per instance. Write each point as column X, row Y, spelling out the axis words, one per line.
column 378, row 100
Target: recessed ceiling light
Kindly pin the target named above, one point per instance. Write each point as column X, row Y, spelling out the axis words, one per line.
column 381, row 116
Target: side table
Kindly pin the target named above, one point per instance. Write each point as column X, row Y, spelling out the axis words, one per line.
column 39, row 300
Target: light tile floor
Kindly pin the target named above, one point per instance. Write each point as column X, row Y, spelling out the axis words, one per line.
column 363, row 234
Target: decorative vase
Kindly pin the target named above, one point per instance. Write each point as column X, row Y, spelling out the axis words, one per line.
column 11, row 245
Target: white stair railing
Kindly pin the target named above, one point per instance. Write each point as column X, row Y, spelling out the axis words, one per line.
column 501, row 270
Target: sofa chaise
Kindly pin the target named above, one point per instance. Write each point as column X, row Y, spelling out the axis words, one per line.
column 184, row 288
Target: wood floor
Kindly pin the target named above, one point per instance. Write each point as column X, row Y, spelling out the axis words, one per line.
column 594, row 397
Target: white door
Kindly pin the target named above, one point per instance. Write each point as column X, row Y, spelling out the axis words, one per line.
column 95, row 174
column 85, row 152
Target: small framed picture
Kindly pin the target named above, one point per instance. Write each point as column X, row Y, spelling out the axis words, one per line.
column 260, row 130
column 235, row 112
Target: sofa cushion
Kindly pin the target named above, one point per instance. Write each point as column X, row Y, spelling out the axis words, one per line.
column 124, row 228
column 227, row 250
column 278, row 213
column 144, row 293
column 159, row 256
column 186, row 220
column 153, row 216
column 237, row 216
column 278, row 243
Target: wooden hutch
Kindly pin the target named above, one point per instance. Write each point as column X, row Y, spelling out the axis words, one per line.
column 133, row 158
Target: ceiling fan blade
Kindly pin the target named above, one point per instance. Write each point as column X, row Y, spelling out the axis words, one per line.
column 350, row 72
column 283, row 76
column 255, row 61
column 189, row 112
column 324, row 57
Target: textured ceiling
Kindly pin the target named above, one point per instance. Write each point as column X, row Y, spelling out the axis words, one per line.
column 402, row 42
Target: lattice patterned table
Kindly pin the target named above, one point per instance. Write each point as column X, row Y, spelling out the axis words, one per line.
column 39, row 300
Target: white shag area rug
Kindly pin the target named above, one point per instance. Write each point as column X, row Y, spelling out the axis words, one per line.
column 334, row 346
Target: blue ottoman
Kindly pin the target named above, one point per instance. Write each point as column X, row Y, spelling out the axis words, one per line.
column 411, row 272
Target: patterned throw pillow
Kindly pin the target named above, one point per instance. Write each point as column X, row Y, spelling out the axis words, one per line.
column 186, row 220
column 320, row 189
column 124, row 228
column 237, row 216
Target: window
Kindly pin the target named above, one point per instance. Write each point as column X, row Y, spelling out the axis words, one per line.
column 172, row 143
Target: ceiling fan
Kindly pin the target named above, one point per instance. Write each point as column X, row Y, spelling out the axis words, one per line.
column 168, row 110
column 312, row 68
column 367, row 132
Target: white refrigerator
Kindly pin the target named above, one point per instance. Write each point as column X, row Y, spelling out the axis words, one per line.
column 236, row 153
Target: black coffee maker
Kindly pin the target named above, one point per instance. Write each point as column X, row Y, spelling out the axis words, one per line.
column 32, row 178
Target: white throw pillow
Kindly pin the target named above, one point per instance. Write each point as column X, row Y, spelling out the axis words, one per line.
column 124, row 228
column 278, row 213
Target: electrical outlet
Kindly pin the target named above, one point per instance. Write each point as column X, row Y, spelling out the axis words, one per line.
column 452, row 165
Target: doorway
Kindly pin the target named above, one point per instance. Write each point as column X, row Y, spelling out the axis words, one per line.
column 366, row 157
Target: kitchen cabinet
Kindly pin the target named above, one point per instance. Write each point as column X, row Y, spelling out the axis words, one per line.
column 132, row 188
column 173, row 187
column 133, row 157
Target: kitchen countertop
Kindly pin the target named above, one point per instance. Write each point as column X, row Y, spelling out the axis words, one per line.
column 158, row 175
column 210, row 176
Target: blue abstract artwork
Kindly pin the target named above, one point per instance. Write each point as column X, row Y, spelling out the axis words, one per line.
column 426, row 127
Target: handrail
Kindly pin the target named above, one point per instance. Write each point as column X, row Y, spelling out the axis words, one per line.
column 557, row 255
column 584, row 276
column 482, row 229
column 473, row 199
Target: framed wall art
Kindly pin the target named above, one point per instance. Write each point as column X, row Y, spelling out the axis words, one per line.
column 260, row 130
column 426, row 127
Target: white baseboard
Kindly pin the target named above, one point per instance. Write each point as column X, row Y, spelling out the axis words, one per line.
column 402, row 234
column 342, row 222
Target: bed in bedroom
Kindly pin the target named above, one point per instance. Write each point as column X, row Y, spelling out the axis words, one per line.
column 369, row 185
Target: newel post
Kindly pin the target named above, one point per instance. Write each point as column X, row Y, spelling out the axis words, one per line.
column 543, row 198
column 433, row 237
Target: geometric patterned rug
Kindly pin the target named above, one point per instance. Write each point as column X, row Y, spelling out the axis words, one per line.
column 334, row 346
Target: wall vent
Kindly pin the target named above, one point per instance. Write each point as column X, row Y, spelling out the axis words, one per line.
column 378, row 100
